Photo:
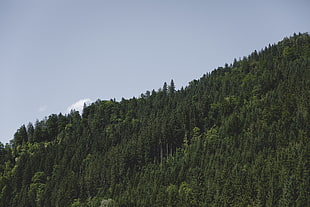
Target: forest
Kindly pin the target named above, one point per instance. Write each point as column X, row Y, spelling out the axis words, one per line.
column 237, row 136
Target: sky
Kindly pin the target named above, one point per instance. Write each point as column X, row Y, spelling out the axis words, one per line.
column 57, row 54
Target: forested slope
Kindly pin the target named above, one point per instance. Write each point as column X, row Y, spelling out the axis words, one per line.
column 238, row 136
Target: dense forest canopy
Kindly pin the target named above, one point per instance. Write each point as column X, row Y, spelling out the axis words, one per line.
column 238, row 136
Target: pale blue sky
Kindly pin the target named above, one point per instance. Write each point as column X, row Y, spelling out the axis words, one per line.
column 54, row 53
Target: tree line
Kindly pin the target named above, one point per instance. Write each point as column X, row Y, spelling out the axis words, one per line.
column 238, row 136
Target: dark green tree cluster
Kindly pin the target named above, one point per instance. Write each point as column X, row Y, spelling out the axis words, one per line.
column 238, row 136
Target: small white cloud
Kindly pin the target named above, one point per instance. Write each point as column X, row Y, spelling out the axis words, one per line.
column 42, row 109
column 78, row 106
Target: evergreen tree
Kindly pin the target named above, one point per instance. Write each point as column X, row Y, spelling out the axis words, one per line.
column 171, row 87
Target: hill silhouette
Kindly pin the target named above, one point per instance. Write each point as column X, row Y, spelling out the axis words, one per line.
column 238, row 136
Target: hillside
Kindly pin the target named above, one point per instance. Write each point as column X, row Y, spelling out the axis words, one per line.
column 238, row 136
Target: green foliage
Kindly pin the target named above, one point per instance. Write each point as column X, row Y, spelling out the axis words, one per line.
column 238, row 136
